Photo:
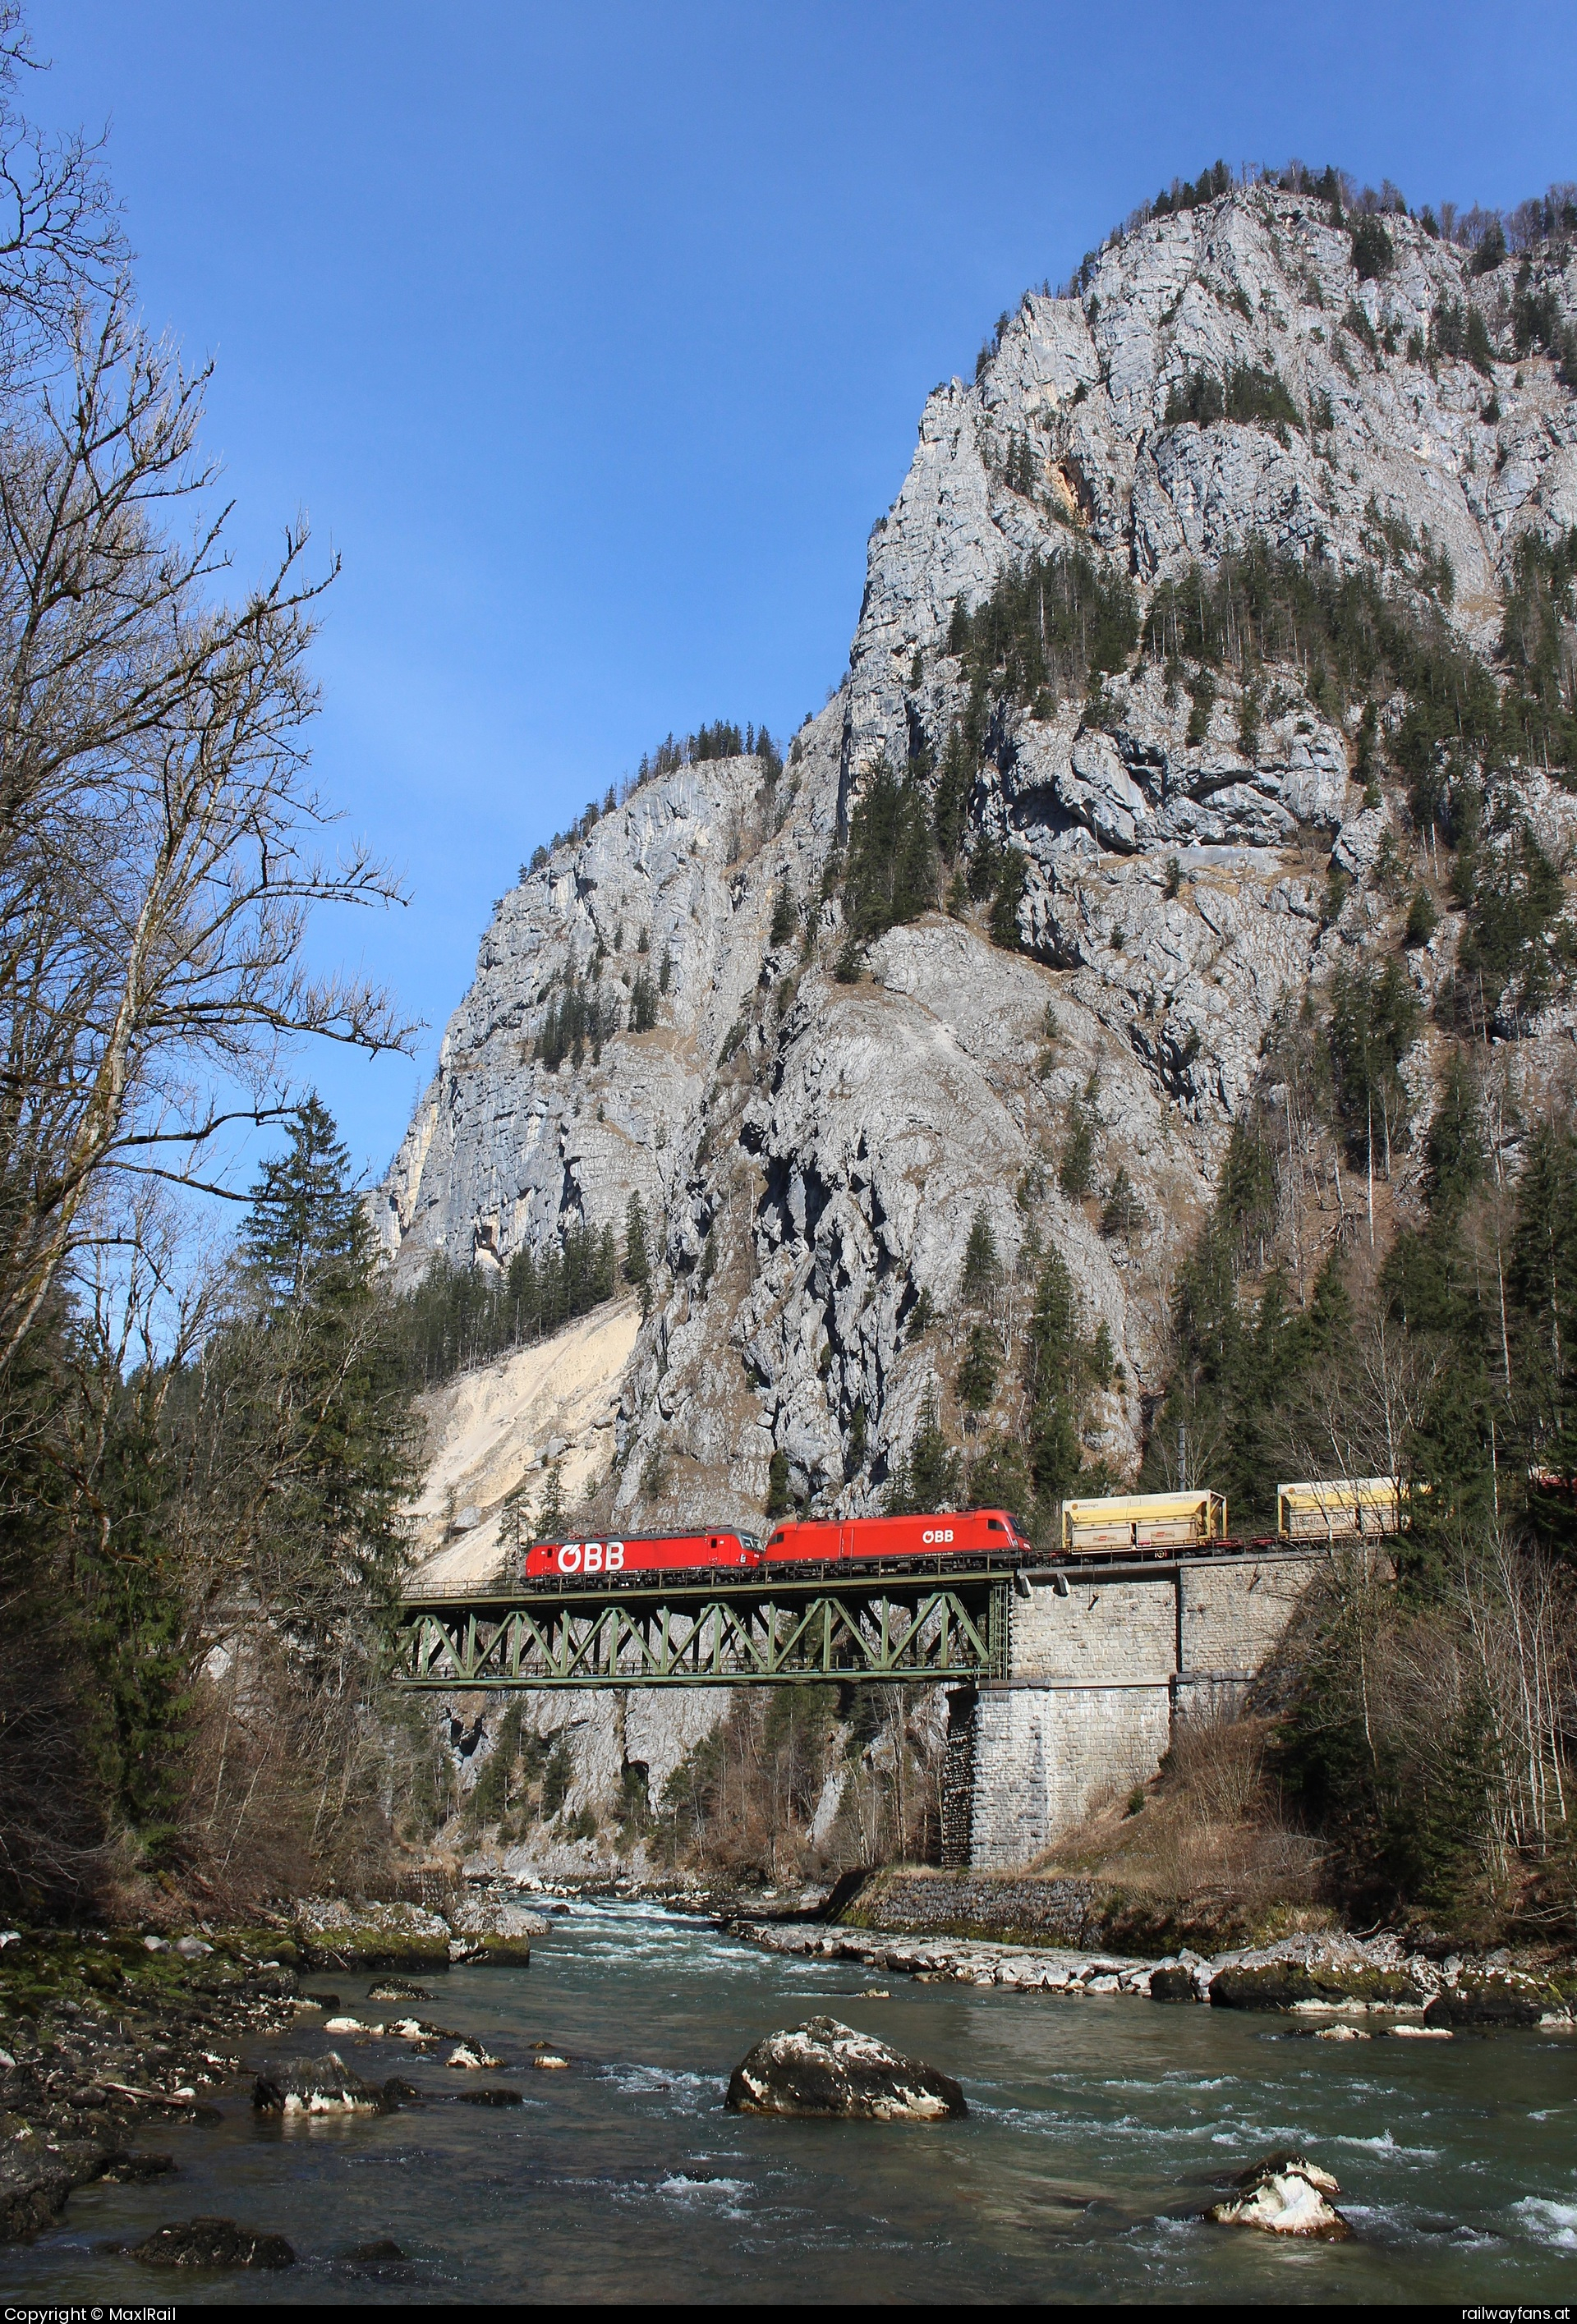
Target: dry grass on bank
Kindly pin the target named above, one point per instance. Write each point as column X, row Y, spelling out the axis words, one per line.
column 1205, row 1842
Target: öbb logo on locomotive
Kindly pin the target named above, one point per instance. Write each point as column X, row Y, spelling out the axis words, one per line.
column 1111, row 1526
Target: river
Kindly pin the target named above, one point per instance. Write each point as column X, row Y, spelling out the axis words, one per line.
column 1096, row 2127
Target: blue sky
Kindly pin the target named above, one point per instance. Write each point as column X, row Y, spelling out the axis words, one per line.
column 594, row 338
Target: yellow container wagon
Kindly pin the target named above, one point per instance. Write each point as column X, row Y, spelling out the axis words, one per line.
column 1152, row 1521
column 1340, row 1508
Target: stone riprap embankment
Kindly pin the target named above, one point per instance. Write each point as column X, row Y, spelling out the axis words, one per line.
column 1323, row 1975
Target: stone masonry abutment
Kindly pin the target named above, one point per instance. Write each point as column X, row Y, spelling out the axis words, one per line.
column 1101, row 1665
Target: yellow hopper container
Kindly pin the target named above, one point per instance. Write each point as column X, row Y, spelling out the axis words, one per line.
column 1339, row 1508
column 1152, row 1521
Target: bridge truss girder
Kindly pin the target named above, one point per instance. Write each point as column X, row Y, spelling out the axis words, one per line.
column 927, row 1633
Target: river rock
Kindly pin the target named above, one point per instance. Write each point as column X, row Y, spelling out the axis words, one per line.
column 274, row 1981
column 314, row 2086
column 334, row 1934
column 213, row 2243
column 35, row 2180
column 470, row 2057
column 824, row 2068
column 1287, row 2196
column 395, row 1988
column 1484, row 2001
column 496, row 2094
column 1314, row 1983
column 493, row 1928
column 1174, row 1983
column 382, row 2252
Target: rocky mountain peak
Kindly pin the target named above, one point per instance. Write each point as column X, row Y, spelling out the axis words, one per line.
column 1147, row 645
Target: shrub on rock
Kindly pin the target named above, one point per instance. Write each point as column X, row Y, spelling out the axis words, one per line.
column 825, row 2069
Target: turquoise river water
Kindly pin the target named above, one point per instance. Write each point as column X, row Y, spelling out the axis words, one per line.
column 1096, row 2128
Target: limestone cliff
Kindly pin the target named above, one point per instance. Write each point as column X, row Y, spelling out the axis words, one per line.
column 815, row 1149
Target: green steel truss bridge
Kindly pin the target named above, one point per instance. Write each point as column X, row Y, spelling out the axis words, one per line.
column 712, row 1631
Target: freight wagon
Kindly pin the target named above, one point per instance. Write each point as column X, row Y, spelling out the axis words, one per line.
column 1339, row 1508
column 1157, row 1522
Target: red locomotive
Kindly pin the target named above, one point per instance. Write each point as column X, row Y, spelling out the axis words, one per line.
column 882, row 1541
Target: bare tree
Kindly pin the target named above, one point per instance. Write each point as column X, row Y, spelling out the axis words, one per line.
column 157, row 825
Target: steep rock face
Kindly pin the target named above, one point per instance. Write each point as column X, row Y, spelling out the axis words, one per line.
column 1259, row 281
column 503, row 1151
column 813, row 1150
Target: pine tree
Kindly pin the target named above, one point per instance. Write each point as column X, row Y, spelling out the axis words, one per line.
column 982, row 1267
column 977, row 1376
column 1075, row 1173
column 552, row 1515
column 932, row 1477
column 952, row 797
column 779, row 1501
column 1123, row 1213
column 306, row 1237
column 637, row 1255
column 328, row 1393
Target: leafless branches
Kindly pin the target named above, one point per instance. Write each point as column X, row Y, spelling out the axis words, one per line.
column 158, row 855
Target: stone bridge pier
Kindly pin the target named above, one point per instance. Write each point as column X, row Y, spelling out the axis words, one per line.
column 1103, row 1665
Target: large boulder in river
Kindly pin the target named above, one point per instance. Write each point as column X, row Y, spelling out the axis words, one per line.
column 493, row 1928
column 1488, row 2000
column 324, row 2085
column 1285, row 2195
column 829, row 2071
column 333, row 1934
column 1321, row 1981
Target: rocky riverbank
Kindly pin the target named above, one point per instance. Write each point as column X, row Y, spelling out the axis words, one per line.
column 108, row 2037
column 1331, row 1976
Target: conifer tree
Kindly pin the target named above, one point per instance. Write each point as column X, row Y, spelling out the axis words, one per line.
column 552, row 1515
column 328, row 1401
column 779, row 1501
column 1075, row 1173
column 982, row 1266
column 977, row 1376
column 637, row 1255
